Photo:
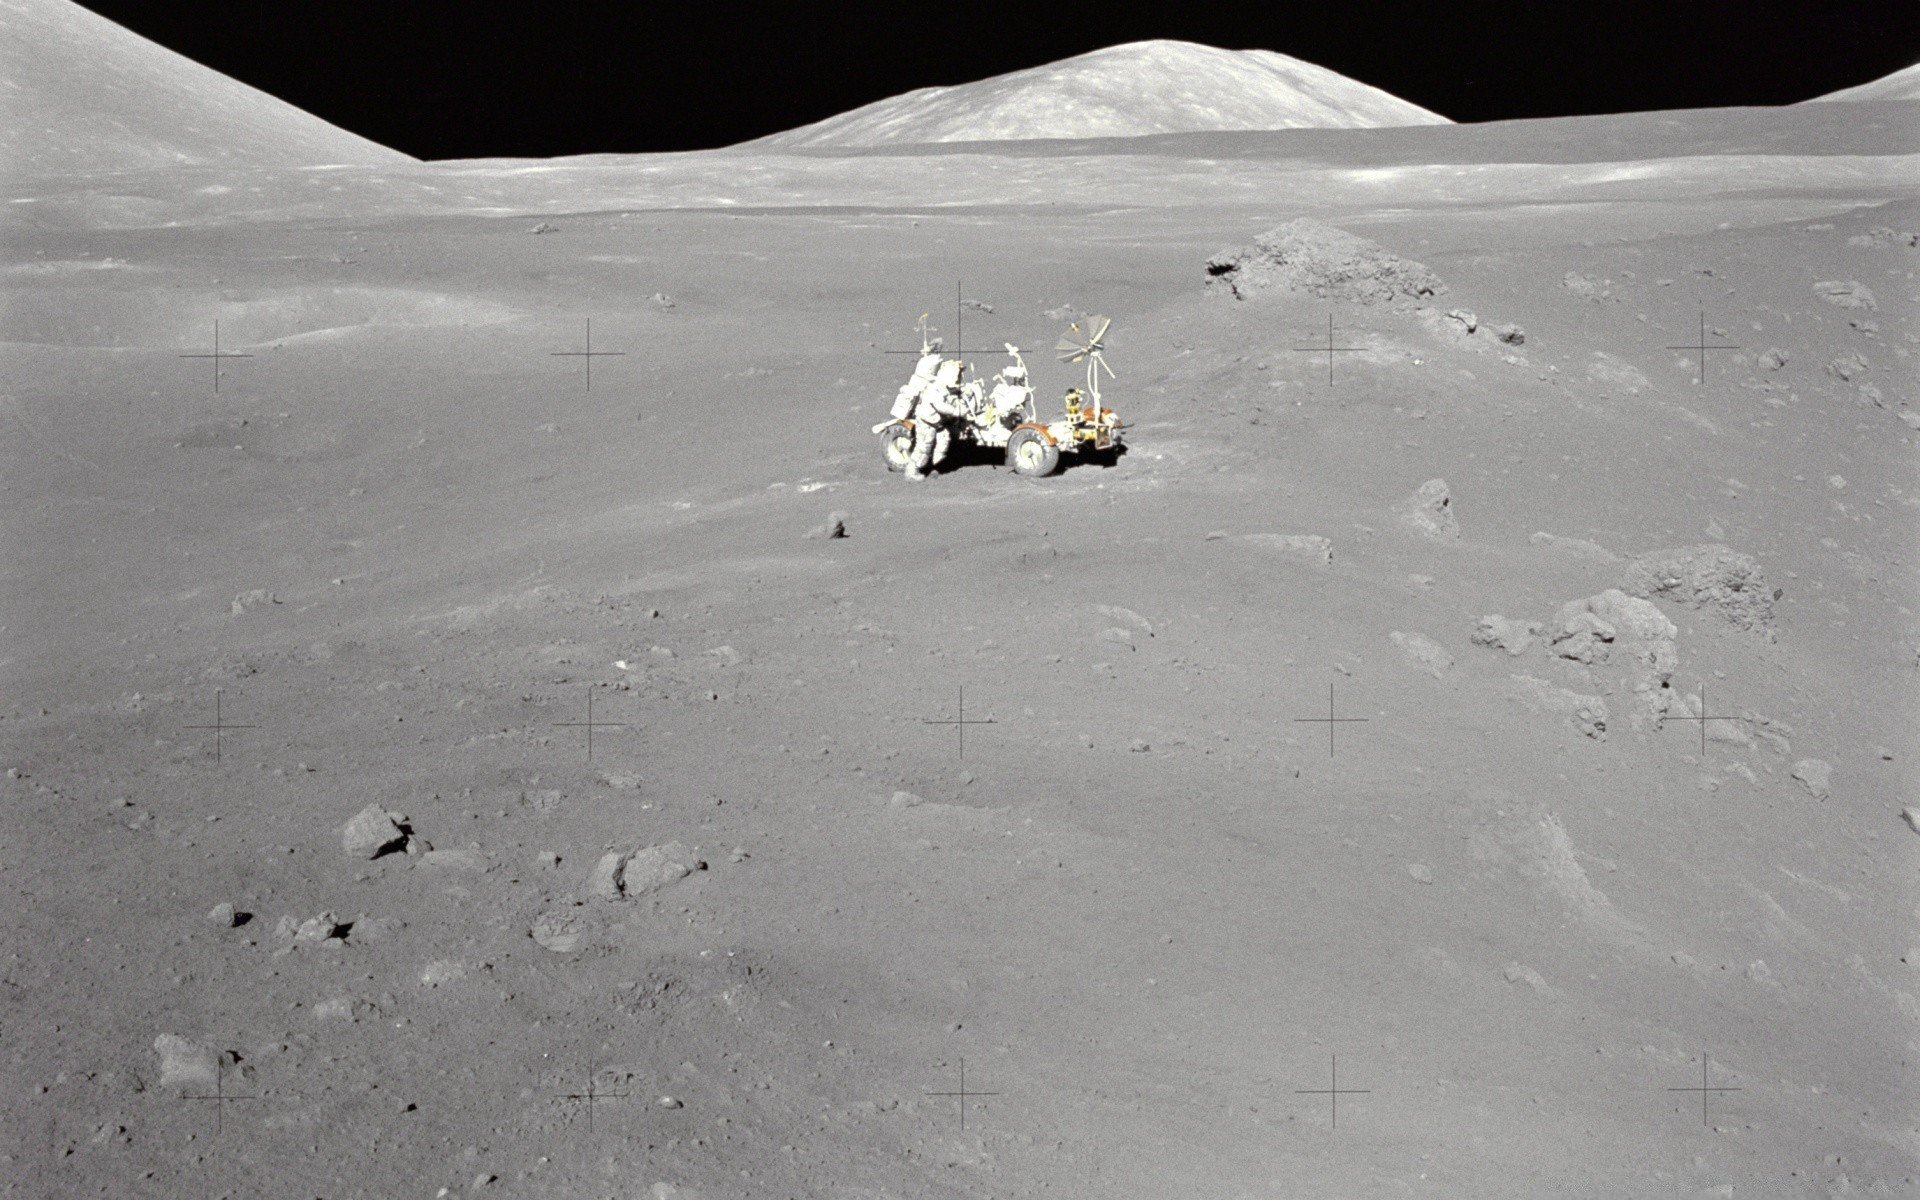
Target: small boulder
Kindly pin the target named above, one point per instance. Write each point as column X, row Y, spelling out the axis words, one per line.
column 246, row 602
column 1577, row 547
column 559, row 930
column 835, row 527
column 905, row 800
column 1430, row 511
column 655, row 867
column 1814, row 775
column 1305, row 547
column 1519, row 973
column 625, row 875
column 1714, row 579
column 1515, row 637
column 1511, row 334
column 223, row 916
column 374, row 831
column 183, row 1062
column 1848, row 293
column 604, row 882
column 1424, row 652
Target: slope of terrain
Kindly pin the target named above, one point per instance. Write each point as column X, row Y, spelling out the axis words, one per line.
column 1122, row 91
column 81, row 93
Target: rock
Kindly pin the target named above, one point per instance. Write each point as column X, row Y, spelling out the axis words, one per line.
column 1846, row 366
column 1577, row 547
column 621, row 781
column 184, row 1063
column 372, row 832
column 1502, row 634
column 661, row 300
column 318, row 928
column 469, row 859
column 1516, row 973
column 1511, row 334
column 1463, row 318
column 905, row 800
column 604, row 882
column 1421, row 872
column 1849, row 293
column 1587, row 287
column 544, row 227
column 1912, row 817
column 1138, row 746
column 1305, row 547
column 246, row 602
column 441, row 972
column 1814, row 775
column 1712, row 578
column 559, row 930
column 1425, row 653
column 727, row 656
column 223, row 916
column 1588, row 714
column 835, row 527
column 339, row 1008
column 619, row 875
column 1774, row 359
column 1320, row 260
column 1122, row 636
column 1126, row 616
column 1430, row 511
column 1615, row 626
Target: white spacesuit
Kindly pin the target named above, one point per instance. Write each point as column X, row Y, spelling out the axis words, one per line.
column 929, row 398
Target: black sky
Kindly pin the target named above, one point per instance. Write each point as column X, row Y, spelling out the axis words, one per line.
column 471, row 79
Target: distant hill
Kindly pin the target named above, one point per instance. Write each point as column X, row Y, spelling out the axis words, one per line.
column 79, row 93
column 1123, row 91
column 1901, row 85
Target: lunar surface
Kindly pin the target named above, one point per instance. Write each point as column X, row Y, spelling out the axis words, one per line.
column 500, row 729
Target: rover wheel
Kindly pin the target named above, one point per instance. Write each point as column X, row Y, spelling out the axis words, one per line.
column 896, row 445
column 1030, row 453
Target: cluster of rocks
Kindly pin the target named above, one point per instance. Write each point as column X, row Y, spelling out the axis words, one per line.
column 1322, row 261
column 1713, row 579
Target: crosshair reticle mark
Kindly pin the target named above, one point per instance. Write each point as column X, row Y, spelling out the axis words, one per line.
column 962, row 1094
column 1702, row 346
column 1334, row 1091
column 590, row 724
column 1329, row 349
column 217, row 355
column 220, row 724
column 1703, row 718
column 1330, row 720
column 221, row 1097
column 959, row 345
column 589, row 354
column 960, row 722
column 592, row 1095
column 1703, row 1089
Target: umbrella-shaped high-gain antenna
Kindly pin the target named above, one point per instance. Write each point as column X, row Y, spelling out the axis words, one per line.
column 1085, row 345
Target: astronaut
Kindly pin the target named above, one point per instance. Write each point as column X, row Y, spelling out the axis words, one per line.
column 930, row 399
